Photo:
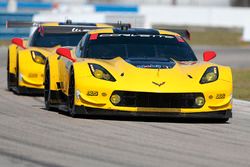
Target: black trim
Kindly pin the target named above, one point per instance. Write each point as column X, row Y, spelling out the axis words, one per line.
column 157, row 100
column 12, row 79
column 28, row 91
column 224, row 114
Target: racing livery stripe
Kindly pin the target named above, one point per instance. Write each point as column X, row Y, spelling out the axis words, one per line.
column 136, row 31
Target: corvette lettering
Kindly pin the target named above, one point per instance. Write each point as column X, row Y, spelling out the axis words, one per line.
column 135, row 35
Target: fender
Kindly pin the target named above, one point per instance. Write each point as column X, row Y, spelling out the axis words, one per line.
column 225, row 73
column 54, row 73
column 30, row 76
column 13, row 52
column 13, row 49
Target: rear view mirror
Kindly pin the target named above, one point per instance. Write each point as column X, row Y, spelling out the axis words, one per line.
column 209, row 55
column 65, row 52
column 19, row 42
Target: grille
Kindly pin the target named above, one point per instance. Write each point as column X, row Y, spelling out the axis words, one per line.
column 157, row 100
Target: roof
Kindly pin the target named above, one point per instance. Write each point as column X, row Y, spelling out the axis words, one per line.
column 146, row 31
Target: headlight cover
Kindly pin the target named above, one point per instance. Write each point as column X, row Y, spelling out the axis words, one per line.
column 38, row 57
column 101, row 73
column 210, row 75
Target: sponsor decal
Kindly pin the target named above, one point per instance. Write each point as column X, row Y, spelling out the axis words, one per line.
column 155, row 66
column 93, row 37
column 33, row 75
column 41, row 31
column 136, row 35
column 221, row 96
column 79, row 30
column 92, row 93
column 180, row 39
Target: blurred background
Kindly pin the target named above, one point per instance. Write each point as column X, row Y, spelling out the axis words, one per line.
column 223, row 25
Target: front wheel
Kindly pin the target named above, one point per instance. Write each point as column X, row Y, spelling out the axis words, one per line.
column 17, row 89
column 8, row 74
column 222, row 120
column 71, row 96
column 47, row 91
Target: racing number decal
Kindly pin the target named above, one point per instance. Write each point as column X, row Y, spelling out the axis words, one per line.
column 220, row 96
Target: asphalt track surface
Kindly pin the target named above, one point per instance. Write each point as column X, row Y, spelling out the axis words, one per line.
column 31, row 136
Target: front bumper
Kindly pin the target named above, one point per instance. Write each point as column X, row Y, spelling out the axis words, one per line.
column 223, row 114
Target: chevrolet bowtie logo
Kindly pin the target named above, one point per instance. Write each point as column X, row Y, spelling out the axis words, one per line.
column 158, row 84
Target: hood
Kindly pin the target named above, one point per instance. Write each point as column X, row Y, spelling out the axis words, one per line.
column 139, row 76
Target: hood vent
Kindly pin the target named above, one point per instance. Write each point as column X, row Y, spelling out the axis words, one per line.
column 152, row 63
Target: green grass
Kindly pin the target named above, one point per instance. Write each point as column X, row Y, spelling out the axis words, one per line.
column 241, row 79
column 216, row 37
column 4, row 42
column 212, row 36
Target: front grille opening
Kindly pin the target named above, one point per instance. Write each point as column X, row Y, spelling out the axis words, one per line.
column 157, row 100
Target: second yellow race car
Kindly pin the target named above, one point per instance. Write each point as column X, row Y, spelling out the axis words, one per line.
column 26, row 58
column 138, row 72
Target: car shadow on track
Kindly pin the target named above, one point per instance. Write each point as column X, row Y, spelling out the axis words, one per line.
column 142, row 119
column 155, row 119
column 25, row 94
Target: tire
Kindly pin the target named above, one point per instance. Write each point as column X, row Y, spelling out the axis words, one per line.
column 47, row 91
column 71, row 95
column 222, row 120
column 18, row 90
column 8, row 74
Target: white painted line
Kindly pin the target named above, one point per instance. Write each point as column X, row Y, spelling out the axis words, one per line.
column 241, row 102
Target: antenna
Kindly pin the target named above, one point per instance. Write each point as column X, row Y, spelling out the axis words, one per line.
column 123, row 27
column 68, row 21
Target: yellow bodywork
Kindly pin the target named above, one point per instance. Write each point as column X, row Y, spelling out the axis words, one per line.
column 140, row 80
column 176, row 80
column 31, row 74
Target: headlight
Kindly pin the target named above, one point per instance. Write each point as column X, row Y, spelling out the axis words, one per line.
column 210, row 75
column 38, row 57
column 100, row 72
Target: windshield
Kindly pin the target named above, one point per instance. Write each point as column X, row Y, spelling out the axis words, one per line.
column 51, row 40
column 129, row 46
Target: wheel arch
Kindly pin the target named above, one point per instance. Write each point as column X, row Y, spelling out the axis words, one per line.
column 225, row 73
column 52, row 62
column 12, row 55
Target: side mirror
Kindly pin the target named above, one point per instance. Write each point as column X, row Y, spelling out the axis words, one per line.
column 19, row 42
column 65, row 52
column 209, row 55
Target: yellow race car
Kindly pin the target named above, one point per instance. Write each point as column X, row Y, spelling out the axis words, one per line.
column 26, row 58
column 138, row 72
